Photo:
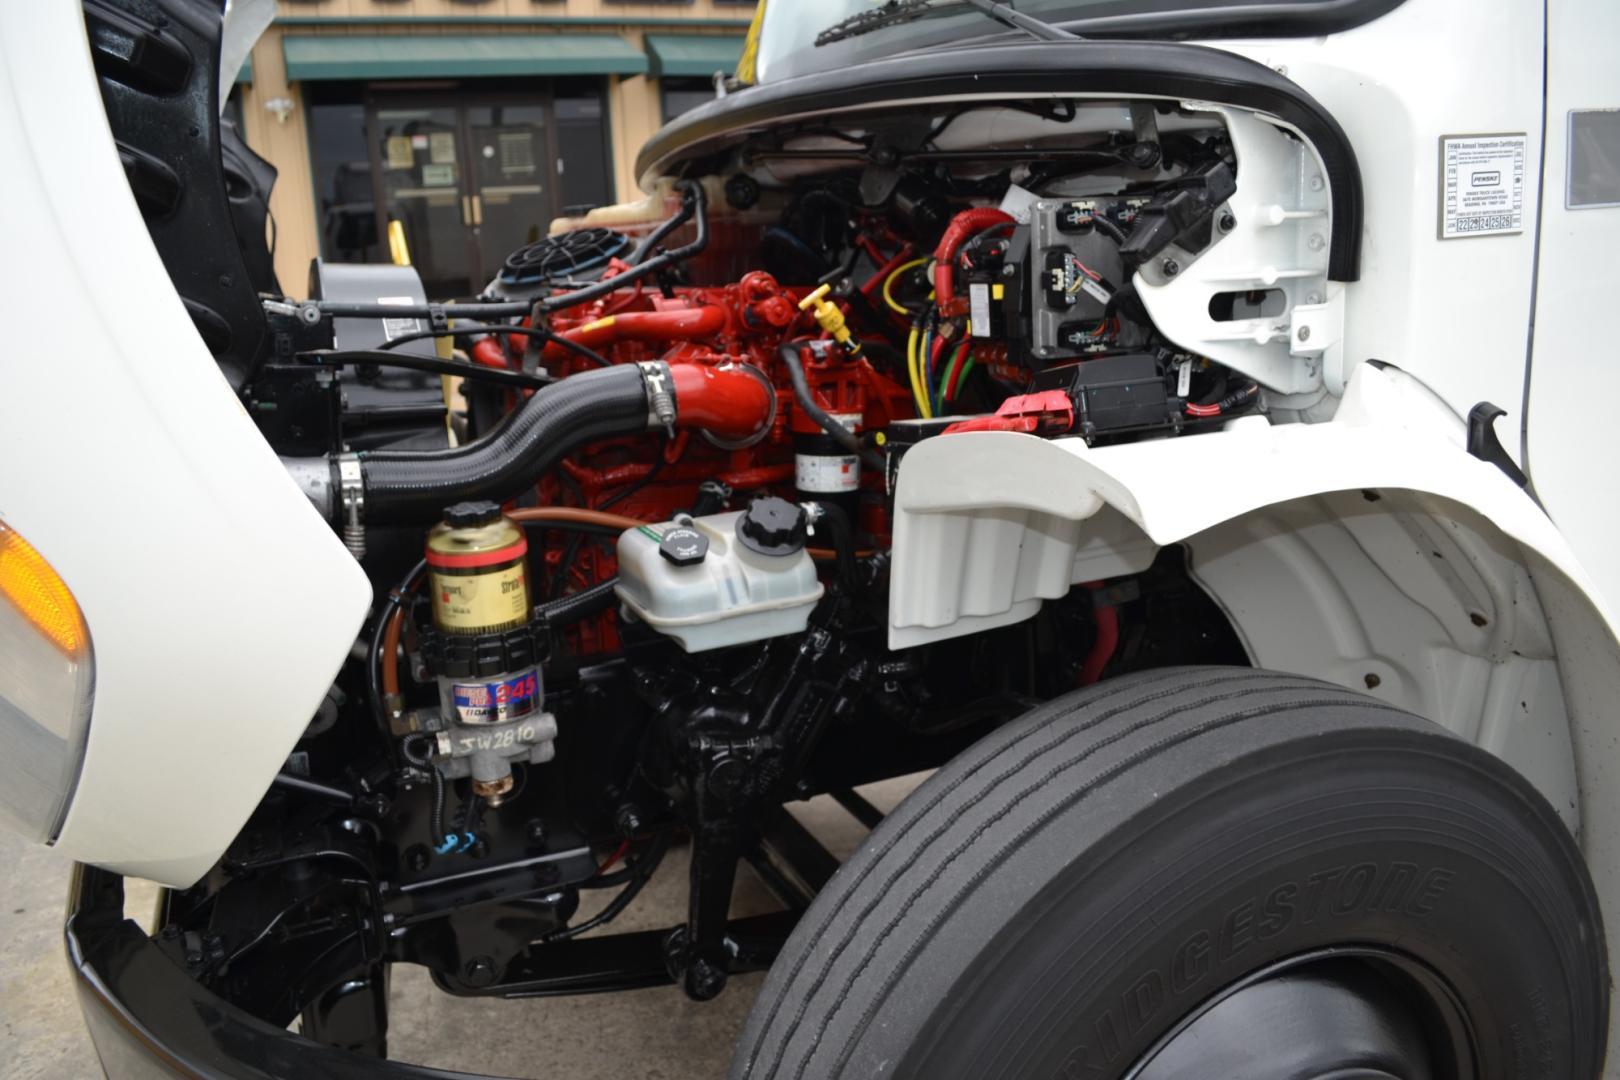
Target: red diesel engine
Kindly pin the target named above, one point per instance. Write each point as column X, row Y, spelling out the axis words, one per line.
column 744, row 327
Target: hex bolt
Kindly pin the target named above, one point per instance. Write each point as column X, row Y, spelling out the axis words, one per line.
column 628, row 820
column 1170, row 268
column 704, row 980
column 479, row 972
column 417, row 858
column 1316, row 243
column 1226, row 222
column 1009, row 270
column 535, row 832
column 1304, row 333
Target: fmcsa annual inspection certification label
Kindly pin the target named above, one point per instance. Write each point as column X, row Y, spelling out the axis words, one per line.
column 1481, row 185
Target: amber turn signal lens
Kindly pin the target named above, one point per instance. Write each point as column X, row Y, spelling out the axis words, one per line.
column 38, row 594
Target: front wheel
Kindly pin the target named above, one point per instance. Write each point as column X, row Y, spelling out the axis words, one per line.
column 1210, row 873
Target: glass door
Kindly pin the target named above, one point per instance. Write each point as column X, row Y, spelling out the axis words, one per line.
column 423, row 185
column 514, row 200
column 473, row 177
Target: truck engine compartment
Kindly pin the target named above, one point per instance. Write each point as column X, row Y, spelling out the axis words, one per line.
column 630, row 540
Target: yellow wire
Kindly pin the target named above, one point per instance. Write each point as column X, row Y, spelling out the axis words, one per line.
column 888, row 285
column 915, row 374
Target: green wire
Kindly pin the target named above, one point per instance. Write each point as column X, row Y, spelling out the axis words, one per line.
column 967, row 369
column 946, row 378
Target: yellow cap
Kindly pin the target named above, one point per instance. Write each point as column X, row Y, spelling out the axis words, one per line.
column 831, row 319
column 42, row 597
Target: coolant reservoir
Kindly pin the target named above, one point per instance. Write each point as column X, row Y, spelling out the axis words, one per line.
column 724, row 579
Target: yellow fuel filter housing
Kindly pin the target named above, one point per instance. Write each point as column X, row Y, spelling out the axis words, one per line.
column 478, row 569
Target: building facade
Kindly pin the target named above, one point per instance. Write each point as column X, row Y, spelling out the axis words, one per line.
column 472, row 123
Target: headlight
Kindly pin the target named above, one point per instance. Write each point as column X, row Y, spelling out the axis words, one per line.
column 47, row 676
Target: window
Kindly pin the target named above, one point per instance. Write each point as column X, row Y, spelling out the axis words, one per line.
column 582, row 149
column 340, row 161
column 684, row 93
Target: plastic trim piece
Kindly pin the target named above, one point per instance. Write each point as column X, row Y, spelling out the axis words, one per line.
column 1114, row 68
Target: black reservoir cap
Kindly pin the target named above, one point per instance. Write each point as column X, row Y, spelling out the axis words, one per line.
column 773, row 526
column 683, row 545
column 472, row 514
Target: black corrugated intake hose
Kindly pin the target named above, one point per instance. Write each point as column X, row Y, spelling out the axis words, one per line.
column 416, row 485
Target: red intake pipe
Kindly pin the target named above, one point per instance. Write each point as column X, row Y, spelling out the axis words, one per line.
column 687, row 324
column 488, row 352
column 734, row 401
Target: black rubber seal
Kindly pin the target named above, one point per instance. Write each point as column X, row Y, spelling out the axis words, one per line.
column 1036, row 68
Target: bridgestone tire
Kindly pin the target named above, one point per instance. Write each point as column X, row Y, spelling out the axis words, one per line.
column 1053, row 901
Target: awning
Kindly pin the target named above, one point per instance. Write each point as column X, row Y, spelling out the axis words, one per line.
column 693, row 54
column 419, row 56
column 245, row 73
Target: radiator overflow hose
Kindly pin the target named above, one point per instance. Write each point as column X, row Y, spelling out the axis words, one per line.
column 403, row 486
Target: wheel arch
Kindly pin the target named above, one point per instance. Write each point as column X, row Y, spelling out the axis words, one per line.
column 1372, row 551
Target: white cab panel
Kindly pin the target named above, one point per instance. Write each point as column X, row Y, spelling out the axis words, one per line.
column 220, row 604
column 1572, row 439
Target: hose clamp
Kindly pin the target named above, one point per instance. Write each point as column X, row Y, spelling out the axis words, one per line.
column 352, row 504
column 660, row 395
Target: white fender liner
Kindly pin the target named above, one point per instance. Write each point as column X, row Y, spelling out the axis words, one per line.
column 987, row 524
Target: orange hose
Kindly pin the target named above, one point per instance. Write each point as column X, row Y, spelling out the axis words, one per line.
column 390, row 653
column 575, row 514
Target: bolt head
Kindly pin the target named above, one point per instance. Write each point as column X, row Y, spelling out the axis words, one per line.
column 535, row 832
column 1304, row 333
column 479, row 971
column 704, row 980
column 1226, row 222
column 628, row 819
column 1170, row 268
